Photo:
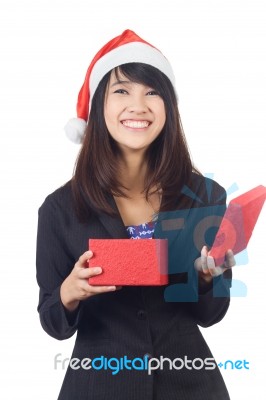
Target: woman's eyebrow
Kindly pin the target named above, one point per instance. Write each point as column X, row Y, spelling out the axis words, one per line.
column 120, row 82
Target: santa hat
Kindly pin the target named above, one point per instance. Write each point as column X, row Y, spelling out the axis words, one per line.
column 125, row 48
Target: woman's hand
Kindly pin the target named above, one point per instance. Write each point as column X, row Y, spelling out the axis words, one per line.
column 76, row 287
column 205, row 265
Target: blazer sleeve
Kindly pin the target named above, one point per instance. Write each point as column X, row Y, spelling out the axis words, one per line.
column 213, row 300
column 200, row 218
column 54, row 264
column 213, row 304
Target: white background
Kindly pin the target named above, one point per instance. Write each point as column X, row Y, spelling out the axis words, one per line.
column 217, row 49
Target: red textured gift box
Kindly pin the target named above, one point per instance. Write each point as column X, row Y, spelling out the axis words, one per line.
column 140, row 262
column 238, row 223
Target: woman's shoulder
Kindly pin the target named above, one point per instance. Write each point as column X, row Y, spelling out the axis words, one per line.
column 204, row 189
column 198, row 179
column 61, row 197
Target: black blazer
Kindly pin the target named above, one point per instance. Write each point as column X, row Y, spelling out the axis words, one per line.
column 136, row 322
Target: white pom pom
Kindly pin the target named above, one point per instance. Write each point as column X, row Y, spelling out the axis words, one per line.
column 75, row 129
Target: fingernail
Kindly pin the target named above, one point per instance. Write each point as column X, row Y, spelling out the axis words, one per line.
column 111, row 288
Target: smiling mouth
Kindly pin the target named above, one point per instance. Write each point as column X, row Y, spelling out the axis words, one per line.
column 135, row 124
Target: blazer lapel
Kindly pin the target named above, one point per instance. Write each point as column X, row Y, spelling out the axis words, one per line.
column 114, row 225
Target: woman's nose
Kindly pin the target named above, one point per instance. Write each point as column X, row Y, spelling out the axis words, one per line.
column 137, row 104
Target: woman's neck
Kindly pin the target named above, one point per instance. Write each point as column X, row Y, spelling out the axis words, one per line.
column 135, row 209
column 132, row 173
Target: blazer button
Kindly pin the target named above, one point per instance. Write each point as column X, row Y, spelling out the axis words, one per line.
column 141, row 314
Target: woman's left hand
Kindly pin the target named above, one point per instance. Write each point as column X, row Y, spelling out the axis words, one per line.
column 206, row 267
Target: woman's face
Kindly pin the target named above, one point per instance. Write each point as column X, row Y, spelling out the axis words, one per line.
column 134, row 113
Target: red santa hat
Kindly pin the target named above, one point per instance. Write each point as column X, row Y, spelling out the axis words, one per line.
column 125, row 48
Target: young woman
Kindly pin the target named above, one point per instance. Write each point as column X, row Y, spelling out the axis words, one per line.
column 133, row 178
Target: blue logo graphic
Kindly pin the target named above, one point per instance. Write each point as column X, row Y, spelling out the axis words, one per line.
column 187, row 231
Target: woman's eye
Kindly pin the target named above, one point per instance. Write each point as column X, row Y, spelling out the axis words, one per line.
column 153, row 93
column 121, row 91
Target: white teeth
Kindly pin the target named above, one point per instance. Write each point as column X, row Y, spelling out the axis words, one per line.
column 135, row 124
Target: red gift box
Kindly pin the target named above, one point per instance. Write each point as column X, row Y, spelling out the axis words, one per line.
column 140, row 262
column 238, row 223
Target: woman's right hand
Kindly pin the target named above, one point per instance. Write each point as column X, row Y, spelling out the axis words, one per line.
column 76, row 287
